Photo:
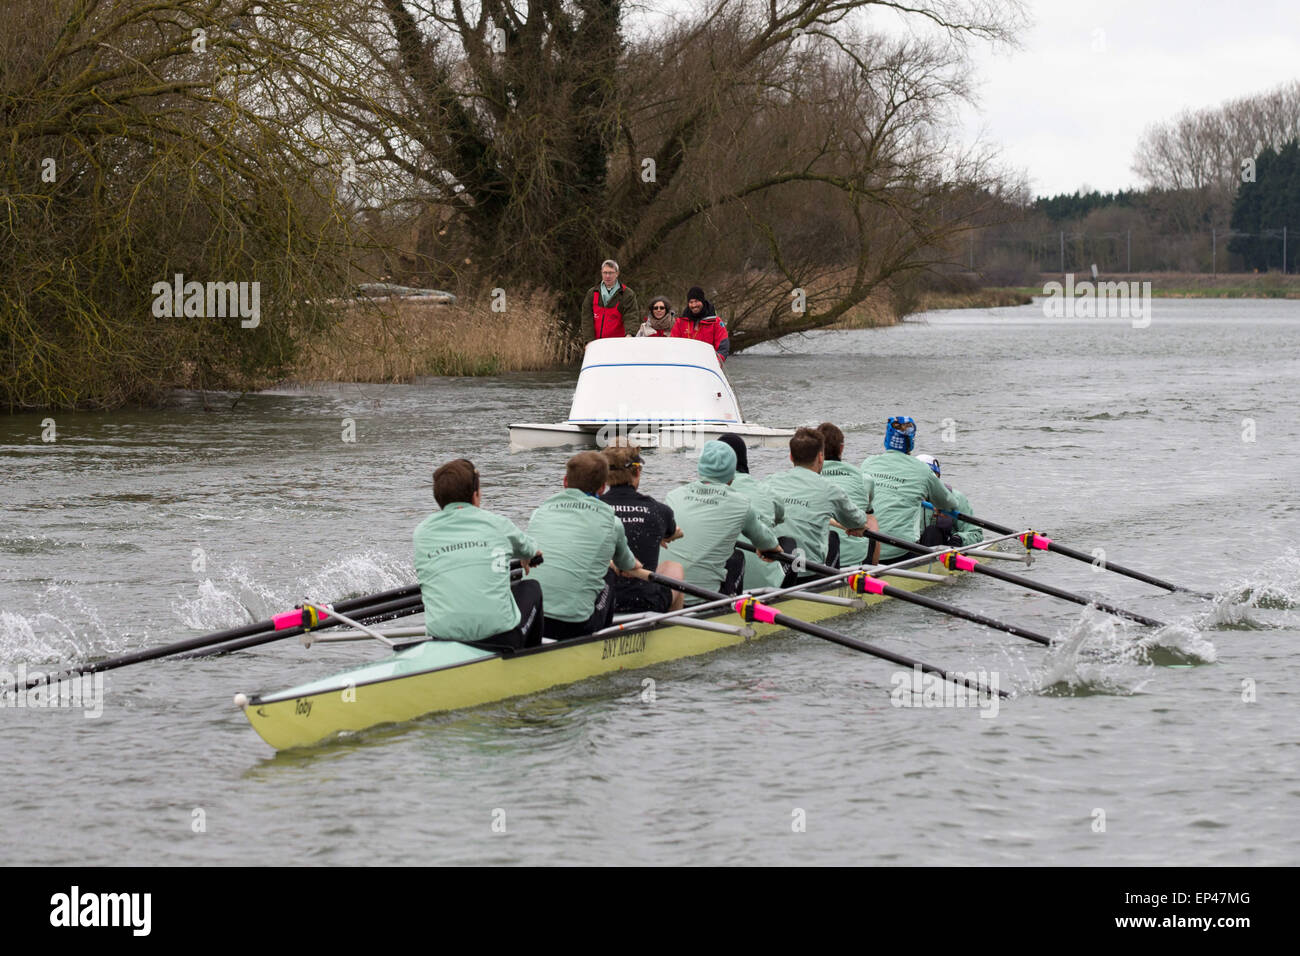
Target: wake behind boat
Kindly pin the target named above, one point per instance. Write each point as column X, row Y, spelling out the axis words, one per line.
column 655, row 393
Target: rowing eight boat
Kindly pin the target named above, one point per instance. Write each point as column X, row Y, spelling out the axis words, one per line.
column 434, row 676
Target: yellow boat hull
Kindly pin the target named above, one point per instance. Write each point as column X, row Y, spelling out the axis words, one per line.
column 297, row 720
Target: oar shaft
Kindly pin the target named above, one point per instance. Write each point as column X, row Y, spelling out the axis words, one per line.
column 1022, row 581
column 249, row 636
column 845, row 641
column 835, row 637
column 1088, row 558
column 895, row 592
column 1065, row 595
column 375, row 615
column 383, row 603
column 909, row 597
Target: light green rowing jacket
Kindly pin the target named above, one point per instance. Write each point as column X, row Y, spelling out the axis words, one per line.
column 760, row 573
column 901, row 484
column 462, row 560
column 712, row 517
column 810, row 502
column 859, row 489
column 578, row 534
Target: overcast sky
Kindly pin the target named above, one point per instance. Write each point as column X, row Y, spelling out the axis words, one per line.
column 1069, row 115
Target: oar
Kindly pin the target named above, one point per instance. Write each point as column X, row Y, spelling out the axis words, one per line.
column 961, row 562
column 280, row 626
column 373, row 615
column 751, row 609
column 865, row 583
column 1032, row 539
column 372, row 608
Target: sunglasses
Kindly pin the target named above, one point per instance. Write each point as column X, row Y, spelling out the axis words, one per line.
column 658, row 308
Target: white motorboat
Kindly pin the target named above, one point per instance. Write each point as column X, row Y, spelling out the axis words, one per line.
column 652, row 392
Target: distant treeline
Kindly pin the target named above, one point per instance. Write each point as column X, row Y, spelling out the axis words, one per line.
column 1220, row 187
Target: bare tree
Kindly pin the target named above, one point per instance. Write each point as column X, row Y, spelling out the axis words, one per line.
column 1195, row 160
column 554, row 142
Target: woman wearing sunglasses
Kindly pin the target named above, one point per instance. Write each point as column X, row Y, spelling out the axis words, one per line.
column 660, row 320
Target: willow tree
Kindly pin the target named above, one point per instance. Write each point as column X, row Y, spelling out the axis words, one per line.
column 134, row 149
column 786, row 147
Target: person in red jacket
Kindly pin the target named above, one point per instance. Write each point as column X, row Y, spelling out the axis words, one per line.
column 701, row 323
column 608, row 303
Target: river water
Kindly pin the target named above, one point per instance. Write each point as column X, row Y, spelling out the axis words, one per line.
column 1173, row 447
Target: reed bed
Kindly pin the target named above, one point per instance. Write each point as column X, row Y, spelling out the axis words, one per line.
column 398, row 340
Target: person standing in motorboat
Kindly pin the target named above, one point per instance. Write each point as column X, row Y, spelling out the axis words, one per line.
column 659, row 323
column 609, row 303
column 702, row 323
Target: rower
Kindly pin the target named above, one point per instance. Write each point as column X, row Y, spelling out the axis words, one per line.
column 757, row 572
column 584, row 543
column 713, row 515
column 811, row 501
column 901, row 484
column 853, row 550
column 649, row 525
column 462, row 560
column 942, row 528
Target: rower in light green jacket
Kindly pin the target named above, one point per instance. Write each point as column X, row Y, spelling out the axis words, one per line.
column 713, row 516
column 462, row 561
column 853, row 550
column 757, row 572
column 580, row 536
column 810, row 500
column 942, row 528
column 901, row 484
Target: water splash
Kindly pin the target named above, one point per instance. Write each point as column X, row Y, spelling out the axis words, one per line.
column 241, row 596
column 64, row 628
column 214, row 608
column 1274, row 585
column 1102, row 654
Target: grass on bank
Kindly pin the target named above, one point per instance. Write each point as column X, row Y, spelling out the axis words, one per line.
column 395, row 341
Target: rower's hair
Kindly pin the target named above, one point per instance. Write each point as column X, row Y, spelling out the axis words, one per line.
column 805, row 446
column 621, row 459
column 833, row 439
column 587, row 471
column 455, row 481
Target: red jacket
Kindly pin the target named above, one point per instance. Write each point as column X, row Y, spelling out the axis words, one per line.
column 710, row 329
column 607, row 320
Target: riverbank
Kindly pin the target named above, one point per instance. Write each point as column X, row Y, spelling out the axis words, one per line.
column 1191, row 285
column 399, row 341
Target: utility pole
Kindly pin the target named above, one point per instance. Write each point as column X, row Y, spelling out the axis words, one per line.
column 1214, row 252
column 1130, row 251
column 1062, row 252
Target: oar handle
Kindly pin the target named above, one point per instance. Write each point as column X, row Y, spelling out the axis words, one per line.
column 785, row 558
